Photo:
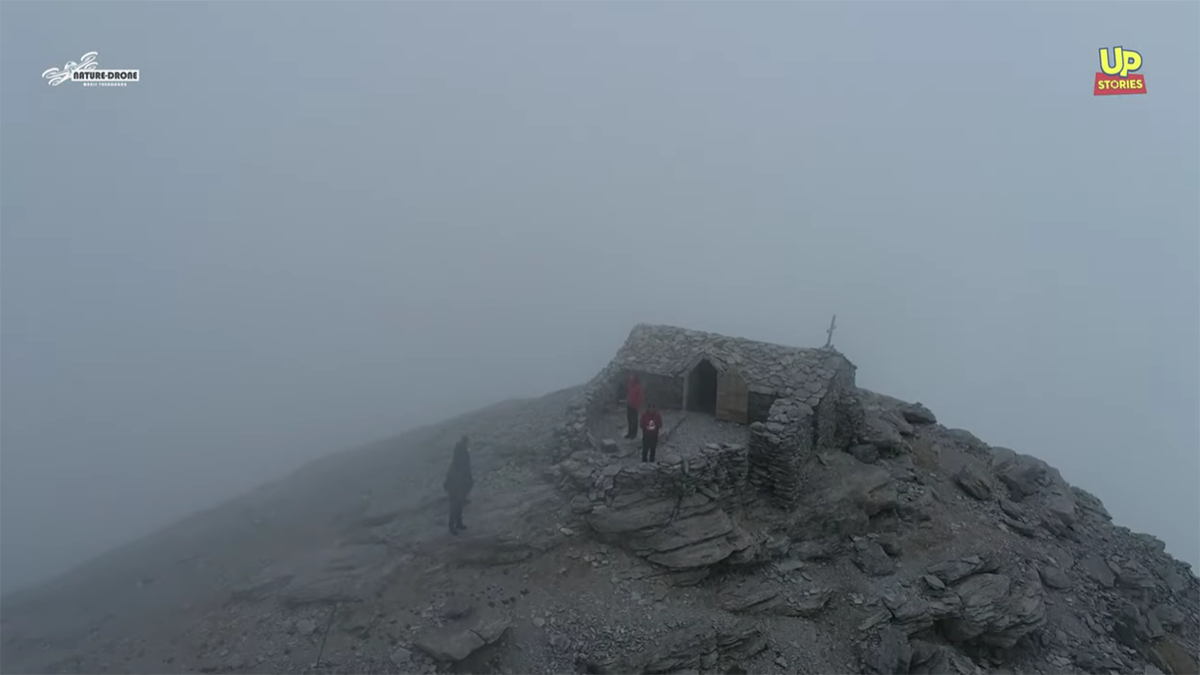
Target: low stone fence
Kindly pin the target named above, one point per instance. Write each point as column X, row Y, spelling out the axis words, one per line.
column 719, row 471
column 573, row 435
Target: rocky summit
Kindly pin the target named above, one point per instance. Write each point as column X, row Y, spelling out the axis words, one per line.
column 792, row 523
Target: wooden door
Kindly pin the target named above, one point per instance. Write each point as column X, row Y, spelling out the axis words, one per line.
column 733, row 397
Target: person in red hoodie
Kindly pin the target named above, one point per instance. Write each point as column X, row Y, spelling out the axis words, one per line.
column 651, row 425
column 633, row 405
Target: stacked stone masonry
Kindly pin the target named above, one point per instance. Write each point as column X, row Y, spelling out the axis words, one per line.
column 778, row 448
column 798, row 400
column 717, row 471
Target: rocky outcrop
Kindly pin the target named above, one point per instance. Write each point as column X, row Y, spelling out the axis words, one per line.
column 456, row 641
column 675, row 532
column 329, row 575
column 870, row 557
column 677, row 516
column 883, row 434
column 974, row 482
column 969, row 601
column 888, row 654
column 995, row 610
column 917, row 413
column 1025, row 476
column 948, row 555
column 765, row 597
column 841, row 495
column 697, row 648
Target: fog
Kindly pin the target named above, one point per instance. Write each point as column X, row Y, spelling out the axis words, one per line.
column 313, row 225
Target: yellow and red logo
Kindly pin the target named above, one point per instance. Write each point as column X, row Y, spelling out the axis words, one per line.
column 1117, row 75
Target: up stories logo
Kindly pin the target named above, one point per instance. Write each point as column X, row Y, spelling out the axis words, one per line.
column 1119, row 74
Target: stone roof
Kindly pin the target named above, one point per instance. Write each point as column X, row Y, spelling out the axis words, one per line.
column 768, row 368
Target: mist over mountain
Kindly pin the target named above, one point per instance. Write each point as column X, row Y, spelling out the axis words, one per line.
column 281, row 243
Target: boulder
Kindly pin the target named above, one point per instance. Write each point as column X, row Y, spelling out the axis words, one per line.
column 882, row 434
column 1096, row 568
column 811, row 601
column 753, row 598
column 865, row 453
column 456, row 641
column 910, row 613
column 1173, row 656
column 998, row 455
column 918, row 414
column 870, row 557
column 1168, row 615
column 1020, row 527
column 974, row 482
column 1135, row 577
column 995, row 611
column 931, row 659
column 1176, row 583
column 842, row 496
column 1054, row 578
column 1090, row 505
column 968, row 441
column 1131, row 628
column 898, row 422
column 891, row 654
column 890, row 543
column 1023, row 475
column 1060, row 503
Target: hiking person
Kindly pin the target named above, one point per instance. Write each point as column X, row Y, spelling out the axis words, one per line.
column 651, row 425
column 458, row 484
column 633, row 405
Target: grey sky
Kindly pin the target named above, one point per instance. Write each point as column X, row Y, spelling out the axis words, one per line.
column 315, row 224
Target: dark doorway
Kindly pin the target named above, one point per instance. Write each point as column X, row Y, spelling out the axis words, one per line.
column 702, row 388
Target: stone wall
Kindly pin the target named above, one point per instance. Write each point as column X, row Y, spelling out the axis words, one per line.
column 680, row 514
column 851, row 419
column 778, row 448
column 718, row 471
column 835, row 413
column 572, row 434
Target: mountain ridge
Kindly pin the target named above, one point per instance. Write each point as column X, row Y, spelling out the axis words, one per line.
column 349, row 552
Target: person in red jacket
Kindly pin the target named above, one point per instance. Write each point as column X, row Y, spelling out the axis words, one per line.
column 651, row 425
column 633, row 405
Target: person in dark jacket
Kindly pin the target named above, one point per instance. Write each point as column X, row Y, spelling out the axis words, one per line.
column 633, row 405
column 651, row 425
column 458, row 484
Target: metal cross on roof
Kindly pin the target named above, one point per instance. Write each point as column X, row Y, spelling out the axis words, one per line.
column 832, row 325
